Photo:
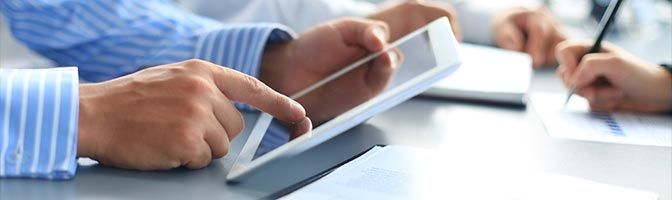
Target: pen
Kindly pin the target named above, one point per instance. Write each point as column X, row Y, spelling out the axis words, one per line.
column 605, row 22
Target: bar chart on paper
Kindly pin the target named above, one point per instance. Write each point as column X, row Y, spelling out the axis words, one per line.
column 575, row 121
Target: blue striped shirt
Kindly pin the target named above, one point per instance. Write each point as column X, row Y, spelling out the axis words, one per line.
column 111, row 38
column 105, row 39
column 38, row 122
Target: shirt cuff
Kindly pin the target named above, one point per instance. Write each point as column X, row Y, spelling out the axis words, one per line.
column 667, row 67
column 240, row 47
column 475, row 19
column 38, row 126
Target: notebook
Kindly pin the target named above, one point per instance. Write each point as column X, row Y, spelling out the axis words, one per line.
column 487, row 74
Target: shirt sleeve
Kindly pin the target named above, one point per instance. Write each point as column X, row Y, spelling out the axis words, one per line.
column 108, row 39
column 667, row 67
column 475, row 18
column 297, row 14
column 39, row 111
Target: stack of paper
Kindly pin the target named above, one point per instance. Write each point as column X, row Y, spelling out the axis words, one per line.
column 396, row 172
column 487, row 74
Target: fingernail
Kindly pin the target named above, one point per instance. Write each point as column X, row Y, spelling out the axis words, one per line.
column 301, row 111
column 305, row 126
column 379, row 33
column 394, row 59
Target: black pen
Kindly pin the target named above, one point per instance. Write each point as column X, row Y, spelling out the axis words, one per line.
column 605, row 22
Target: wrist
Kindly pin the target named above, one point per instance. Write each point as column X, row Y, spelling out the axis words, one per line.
column 84, row 139
column 274, row 64
column 667, row 78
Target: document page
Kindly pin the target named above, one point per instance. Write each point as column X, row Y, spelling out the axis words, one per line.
column 576, row 121
column 380, row 173
column 398, row 172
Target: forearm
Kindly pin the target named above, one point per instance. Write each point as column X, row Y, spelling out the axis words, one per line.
column 38, row 123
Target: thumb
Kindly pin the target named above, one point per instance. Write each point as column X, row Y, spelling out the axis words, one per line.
column 370, row 34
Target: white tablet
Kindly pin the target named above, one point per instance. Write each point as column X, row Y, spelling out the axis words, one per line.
column 435, row 56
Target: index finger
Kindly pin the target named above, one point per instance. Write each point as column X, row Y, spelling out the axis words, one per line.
column 575, row 51
column 246, row 89
column 596, row 66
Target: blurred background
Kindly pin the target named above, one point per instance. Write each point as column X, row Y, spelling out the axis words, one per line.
column 642, row 23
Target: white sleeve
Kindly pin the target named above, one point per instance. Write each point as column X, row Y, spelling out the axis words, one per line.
column 475, row 18
column 301, row 14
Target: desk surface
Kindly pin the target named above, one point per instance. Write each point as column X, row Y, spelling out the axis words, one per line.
column 467, row 133
column 512, row 138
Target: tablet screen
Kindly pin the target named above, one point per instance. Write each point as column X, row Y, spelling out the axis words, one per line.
column 410, row 56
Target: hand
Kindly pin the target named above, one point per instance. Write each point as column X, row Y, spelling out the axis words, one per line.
column 323, row 50
column 173, row 115
column 408, row 16
column 634, row 84
column 535, row 32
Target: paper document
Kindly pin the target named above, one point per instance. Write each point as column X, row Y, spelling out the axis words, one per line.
column 487, row 74
column 576, row 121
column 397, row 172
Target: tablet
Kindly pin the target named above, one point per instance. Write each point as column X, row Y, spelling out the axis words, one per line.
column 434, row 50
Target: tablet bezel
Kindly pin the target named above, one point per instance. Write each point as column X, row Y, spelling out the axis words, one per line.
column 444, row 46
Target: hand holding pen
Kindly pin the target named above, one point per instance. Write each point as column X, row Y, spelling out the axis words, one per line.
column 628, row 83
column 605, row 23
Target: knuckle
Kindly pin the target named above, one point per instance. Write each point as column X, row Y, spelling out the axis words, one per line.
column 186, row 139
column 176, row 70
column 189, row 149
column 563, row 46
column 590, row 60
column 195, row 63
column 195, row 111
column 195, row 85
column 255, row 86
column 281, row 101
column 221, row 152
